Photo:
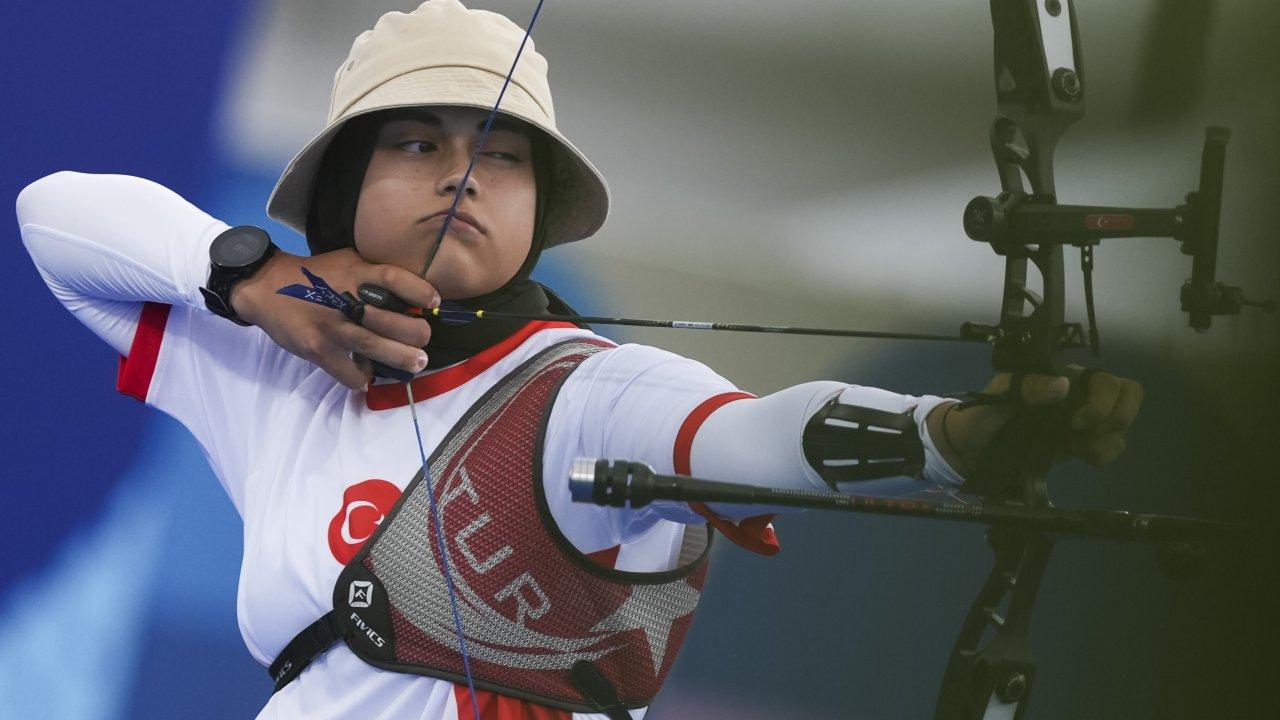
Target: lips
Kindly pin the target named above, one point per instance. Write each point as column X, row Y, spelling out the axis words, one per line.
column 464, row 221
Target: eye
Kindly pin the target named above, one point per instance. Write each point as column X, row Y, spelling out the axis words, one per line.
column 424, row 146
column 499, row 155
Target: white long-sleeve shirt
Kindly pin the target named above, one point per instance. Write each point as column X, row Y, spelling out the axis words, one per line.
column 312, row 467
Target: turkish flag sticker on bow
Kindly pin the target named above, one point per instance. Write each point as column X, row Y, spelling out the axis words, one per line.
column 364, row 505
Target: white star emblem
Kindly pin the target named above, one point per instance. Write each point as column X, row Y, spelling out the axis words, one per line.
column 662, row 604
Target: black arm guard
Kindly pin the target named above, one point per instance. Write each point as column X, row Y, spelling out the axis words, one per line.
column 850, row 442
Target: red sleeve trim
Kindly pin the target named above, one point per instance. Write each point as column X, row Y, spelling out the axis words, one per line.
column 606, row 558
column 684, row 438
column 754, row 533
column 133, row 376
column 392, row 395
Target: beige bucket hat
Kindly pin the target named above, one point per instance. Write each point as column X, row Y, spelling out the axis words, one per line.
column 445, row 54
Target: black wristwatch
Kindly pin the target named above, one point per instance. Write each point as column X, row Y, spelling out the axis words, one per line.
column 234, row 255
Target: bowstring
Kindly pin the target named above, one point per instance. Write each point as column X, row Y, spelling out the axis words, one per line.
column 484, row 137
column 408, row 386
column 444, row 553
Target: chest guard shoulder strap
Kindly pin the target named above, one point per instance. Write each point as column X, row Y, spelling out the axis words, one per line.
column 542, row 622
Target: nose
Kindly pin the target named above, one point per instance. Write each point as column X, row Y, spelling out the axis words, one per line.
column 449, row 183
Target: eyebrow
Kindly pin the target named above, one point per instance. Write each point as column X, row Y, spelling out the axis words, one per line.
column 427, row 117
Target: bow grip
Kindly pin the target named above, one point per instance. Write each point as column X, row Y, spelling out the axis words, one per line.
column 1029, row 441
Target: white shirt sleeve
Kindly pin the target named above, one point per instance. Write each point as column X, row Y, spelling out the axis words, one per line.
column 127, row 257
column 763, row 440
column 105, row 244
column 628, row 403
column 642, row 404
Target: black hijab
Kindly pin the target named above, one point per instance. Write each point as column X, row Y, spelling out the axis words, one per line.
column 331, row 226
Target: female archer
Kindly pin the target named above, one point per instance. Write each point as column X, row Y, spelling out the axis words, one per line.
column 461, row 577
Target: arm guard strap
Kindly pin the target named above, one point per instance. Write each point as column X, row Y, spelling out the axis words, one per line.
column 844, row 443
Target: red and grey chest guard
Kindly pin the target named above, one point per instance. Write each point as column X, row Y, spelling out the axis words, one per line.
column 532, row 606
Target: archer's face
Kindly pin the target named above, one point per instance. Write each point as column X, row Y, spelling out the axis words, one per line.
column 413, row 175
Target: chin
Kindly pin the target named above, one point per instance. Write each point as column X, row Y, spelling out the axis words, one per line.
column 452, row 287
column 459, row 280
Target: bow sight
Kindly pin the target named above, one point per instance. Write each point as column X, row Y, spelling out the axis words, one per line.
column 1040, row 92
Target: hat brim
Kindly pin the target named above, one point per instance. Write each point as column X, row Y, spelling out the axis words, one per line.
column 577, row 207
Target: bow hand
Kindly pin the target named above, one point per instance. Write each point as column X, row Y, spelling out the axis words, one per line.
column 1092, row 424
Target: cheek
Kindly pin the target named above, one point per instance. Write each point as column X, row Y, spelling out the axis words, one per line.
column 366, row 215
column 379, row 212
column 369, row 228
column 520, row 208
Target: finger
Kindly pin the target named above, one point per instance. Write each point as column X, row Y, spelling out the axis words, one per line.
column 1103, row 450
column 1125, row 410
column 407, row 286
column 1045, row 389
column 1100, row 400
column 394, row 326
column 345, row 370
column 375, row 347
column 1035, row 389
column 364, row 363
column 999, row 384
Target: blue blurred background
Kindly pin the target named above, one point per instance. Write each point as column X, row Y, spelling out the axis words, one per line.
column 842, row 143
column 118, row 597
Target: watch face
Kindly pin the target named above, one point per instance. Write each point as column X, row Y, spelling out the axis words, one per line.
column 239, row 246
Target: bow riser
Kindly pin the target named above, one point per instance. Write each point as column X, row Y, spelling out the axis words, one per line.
column 1039, row 94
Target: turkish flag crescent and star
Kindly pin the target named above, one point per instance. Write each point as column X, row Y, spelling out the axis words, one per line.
column 364, row 505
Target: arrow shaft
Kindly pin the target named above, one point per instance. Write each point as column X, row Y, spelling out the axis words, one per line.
column 698, row 325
